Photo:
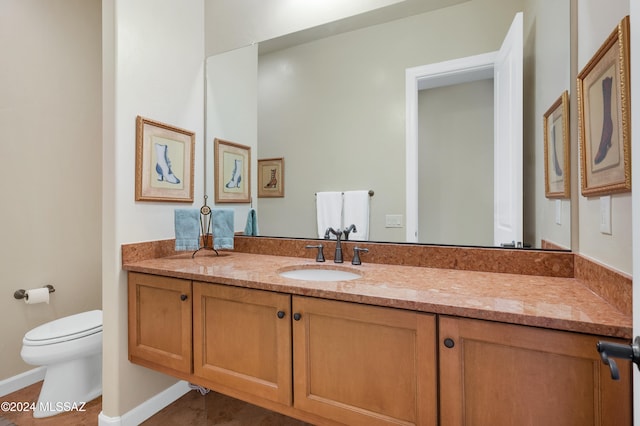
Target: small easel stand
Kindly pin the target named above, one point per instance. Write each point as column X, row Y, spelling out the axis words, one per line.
column 205, row 228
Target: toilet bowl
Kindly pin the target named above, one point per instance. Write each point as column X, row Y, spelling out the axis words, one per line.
column 71, row 350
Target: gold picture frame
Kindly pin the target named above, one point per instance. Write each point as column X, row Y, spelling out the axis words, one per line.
column 164, row 162
column 603, row 117
column 232, row 174
column 271, row 178
column 556, row 149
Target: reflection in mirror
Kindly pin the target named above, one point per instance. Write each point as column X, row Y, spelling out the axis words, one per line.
column 334, row 108
column 496, row 205
column 455, row 199
column 547, row 63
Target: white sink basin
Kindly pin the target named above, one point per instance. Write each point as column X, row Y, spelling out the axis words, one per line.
column 320, row 274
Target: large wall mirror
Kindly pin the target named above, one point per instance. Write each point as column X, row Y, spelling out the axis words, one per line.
column 331, row 102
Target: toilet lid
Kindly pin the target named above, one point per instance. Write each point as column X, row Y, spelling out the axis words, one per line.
column 67, row 328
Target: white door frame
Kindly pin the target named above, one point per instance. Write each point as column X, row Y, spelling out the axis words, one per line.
column 457, row 71
column 635, row 196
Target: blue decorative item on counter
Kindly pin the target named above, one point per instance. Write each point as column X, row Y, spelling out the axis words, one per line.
column 223, row 228
column 251, row 228
column 187, row 229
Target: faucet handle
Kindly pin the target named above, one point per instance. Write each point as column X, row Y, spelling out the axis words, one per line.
column 356, row 255
column 320, row 255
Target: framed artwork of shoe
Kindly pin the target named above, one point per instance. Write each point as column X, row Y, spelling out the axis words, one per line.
column 603, row 117
column 271, row 177
column 164, row 162
column 556, row 149
column 232, row 172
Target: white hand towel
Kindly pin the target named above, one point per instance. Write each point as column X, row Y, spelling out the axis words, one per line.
column 329, row 211
column 356, row 212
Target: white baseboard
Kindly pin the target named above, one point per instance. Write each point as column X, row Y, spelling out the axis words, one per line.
column 22, row 380
column 148, row 408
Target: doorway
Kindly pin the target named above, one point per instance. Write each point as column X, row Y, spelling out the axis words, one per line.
column 505, row 67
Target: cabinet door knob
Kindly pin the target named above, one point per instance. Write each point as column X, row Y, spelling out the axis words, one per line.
column 449, row 343
column 297, row 316
column 183, row 297
column 280, row 314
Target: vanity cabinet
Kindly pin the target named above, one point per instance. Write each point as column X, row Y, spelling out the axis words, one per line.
column 351, row 363
column 160, row 319
column 242, row 340
column 332, row 362
column 501, row 374
column 364, row 365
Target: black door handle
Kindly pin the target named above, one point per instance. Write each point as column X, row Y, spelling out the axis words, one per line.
column 610, row 350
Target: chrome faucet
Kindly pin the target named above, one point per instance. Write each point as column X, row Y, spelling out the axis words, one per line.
column 338, row 233
column 351, row 228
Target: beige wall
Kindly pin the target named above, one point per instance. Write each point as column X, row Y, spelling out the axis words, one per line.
column 595, row 22
column 153, row 66
column 50, row 106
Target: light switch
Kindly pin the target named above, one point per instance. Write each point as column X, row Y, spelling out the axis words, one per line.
column 558, row 212
column 393, row 221
column 605, row 214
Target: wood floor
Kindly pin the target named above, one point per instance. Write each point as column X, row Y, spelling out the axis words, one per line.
column 89, row 417
column 192, row 409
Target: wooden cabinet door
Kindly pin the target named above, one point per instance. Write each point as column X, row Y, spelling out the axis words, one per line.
column 499, row 374
column 364, row 365
column 160, row 322
column 242, row 339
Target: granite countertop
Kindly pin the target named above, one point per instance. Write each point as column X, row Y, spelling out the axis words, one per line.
column 549, row 302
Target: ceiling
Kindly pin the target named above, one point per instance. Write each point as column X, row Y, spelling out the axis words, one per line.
column 378, row 16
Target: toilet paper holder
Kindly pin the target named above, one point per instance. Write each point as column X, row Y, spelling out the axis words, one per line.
column 21, row 294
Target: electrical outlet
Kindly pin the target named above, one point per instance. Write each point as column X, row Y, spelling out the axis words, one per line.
column 605, row 214
column 393, row 221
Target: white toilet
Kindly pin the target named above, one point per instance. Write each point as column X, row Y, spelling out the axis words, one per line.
column 71, row 350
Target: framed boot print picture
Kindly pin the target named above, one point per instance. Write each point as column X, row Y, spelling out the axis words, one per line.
column 232, row 174
column 556, row 148
column 603, row 117
column 164, row 162
column 271, row 177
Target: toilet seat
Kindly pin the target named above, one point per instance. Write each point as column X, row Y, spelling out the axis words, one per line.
column 65, row 329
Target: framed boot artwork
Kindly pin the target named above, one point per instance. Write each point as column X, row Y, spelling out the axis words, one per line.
column 271, row 177
column 232, row 172
column 164, row 162
column 603, row 117
column 556, row 149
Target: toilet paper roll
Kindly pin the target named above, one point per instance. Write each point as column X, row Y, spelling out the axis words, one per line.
column 37, row 295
